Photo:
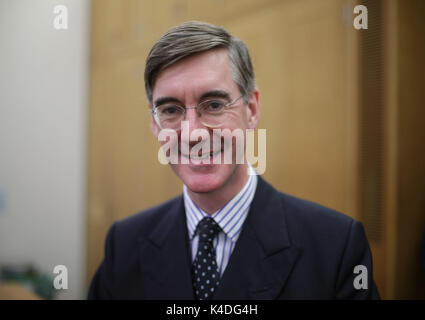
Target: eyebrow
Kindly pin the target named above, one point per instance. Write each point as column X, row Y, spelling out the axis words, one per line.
column 163, row 100
column 207, row 94
column 215, row 94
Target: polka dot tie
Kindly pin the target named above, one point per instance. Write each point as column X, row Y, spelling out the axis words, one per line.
column 205, row 271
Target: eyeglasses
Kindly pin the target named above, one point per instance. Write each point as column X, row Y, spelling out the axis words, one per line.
column 211, row 113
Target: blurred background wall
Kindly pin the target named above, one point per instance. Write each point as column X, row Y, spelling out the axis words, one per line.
column 343, row 108
column 43, row 139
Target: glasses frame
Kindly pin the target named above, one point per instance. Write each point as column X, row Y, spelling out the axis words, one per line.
column 158, row 122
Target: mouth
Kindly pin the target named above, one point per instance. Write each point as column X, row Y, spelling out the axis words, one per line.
column 201, row 156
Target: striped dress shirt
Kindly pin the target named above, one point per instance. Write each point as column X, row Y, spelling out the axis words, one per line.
column 230, row 218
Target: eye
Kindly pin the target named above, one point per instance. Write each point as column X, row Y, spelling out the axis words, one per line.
column 169, row 110
column 214, row 105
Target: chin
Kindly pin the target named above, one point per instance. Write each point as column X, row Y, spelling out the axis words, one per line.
column 203, row 179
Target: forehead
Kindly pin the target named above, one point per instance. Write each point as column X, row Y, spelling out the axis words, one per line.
column 190, row 77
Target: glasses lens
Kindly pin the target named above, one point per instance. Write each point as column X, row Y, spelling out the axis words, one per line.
column 212, row 112
column 170, row 116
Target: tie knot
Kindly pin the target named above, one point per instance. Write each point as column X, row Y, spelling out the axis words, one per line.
column 207, row 229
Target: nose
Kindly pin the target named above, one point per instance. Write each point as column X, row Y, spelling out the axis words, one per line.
column 193, row 119
column 194, row 123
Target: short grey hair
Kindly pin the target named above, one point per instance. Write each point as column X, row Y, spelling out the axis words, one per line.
column 193, row 37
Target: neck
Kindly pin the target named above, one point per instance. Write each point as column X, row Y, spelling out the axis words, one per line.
column 210, row 202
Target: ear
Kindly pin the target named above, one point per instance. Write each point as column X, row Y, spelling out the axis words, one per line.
column 154, row 126
column 253, row 110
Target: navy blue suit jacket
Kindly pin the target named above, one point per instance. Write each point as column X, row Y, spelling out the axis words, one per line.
column 288, row 249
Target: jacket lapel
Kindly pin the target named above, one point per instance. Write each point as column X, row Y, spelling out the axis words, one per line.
column 263, row 256
column 165, row 259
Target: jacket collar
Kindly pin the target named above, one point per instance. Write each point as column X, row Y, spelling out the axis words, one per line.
column 264, row 255
column 165, row 256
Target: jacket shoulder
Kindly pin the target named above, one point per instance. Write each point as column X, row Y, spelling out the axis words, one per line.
column 315, row 225
column 143, row 222
column 314, row 215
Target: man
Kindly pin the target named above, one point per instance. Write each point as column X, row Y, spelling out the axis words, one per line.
column 230, row 235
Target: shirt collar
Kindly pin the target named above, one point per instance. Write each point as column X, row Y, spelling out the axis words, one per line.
column 230, row 218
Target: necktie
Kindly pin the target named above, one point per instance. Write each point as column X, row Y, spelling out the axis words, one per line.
column 205, row 271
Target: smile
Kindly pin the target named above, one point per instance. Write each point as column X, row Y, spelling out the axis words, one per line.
column 210, row 154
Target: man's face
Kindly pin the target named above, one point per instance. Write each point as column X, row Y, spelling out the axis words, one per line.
column 188, row 83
